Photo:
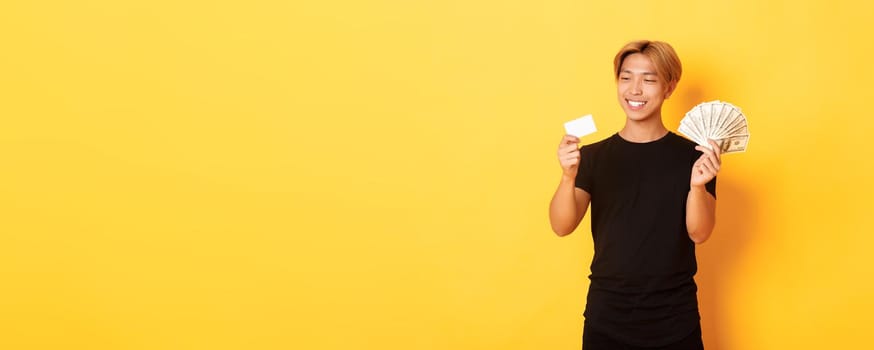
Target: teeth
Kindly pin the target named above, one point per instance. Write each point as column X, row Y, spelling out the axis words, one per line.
column 636, row 103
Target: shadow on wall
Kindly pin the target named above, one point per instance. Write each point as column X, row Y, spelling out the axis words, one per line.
column 736, row 218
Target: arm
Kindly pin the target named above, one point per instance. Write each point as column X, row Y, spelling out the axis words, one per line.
column 700, row 204
column 567, row 208
column 569, row 203
column 700, row 214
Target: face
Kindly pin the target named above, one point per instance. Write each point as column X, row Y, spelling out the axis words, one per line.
column 640, row 89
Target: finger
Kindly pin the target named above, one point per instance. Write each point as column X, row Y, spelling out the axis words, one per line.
column 709, row 161
column 699, row 165
column 700, row 169
column 716, row 150
column 570, row 156
column 712, row 165
column 705, row 150
column 709, row 153
column 571, row 146
column 713, row 156
column 717, row 165
column 570, row 139
column 707, row 167
column 568, row 150
column 569, row 162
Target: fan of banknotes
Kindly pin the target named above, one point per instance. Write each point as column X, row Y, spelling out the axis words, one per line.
column 718, row 121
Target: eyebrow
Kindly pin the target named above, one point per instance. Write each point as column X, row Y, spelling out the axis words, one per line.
column 644, row 73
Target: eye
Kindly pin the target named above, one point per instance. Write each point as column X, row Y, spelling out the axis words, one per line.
column 624, row 78
column 649, row 81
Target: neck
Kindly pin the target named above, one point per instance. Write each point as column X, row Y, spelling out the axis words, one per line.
column 649, row 129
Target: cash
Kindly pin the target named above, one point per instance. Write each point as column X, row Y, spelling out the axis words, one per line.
column 720, row 121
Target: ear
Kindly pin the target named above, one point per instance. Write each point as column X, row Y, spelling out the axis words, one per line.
column 671, row 86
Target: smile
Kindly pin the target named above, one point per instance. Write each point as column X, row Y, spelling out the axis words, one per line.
column 635, row 104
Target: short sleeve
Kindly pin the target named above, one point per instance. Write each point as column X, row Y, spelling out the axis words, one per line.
column 584, row 173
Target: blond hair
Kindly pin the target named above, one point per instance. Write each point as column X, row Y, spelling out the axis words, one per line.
column 661, row 54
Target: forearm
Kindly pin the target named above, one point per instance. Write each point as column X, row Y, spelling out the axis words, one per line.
column 563, row 212
column 700, row 214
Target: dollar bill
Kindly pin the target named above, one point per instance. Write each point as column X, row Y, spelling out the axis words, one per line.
column 732, row 144
column 719, row 121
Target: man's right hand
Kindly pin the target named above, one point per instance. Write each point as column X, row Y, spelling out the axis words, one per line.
column 569, row 203
column 569, row 155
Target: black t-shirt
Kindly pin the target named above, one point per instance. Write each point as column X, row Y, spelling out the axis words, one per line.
column 642, row 290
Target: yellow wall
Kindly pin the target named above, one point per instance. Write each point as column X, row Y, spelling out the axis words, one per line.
column 376, row 174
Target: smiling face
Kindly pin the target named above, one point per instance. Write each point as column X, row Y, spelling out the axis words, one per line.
column 641, row 90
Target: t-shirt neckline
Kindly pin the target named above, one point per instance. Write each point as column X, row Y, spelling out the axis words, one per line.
column 660, row 139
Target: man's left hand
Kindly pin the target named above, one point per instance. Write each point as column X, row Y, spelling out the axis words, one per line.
column 707, row 166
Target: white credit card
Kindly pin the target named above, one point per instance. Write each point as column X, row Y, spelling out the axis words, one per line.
column 581, row 126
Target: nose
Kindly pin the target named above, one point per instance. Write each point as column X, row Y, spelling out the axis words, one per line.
column 635, row 87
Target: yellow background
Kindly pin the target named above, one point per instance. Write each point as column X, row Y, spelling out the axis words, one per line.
column 376, row 174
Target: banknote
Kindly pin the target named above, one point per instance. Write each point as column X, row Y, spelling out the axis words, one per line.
column 720, row 121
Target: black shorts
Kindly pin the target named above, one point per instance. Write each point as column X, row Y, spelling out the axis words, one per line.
column 594, row 340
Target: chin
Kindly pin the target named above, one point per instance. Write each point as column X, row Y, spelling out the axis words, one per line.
column 638, row 115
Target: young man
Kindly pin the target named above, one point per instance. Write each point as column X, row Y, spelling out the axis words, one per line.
column 653, row 198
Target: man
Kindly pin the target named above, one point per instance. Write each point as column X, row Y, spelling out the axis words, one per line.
column 653, row 198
